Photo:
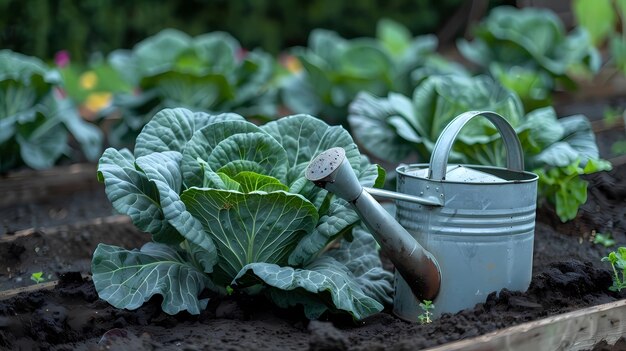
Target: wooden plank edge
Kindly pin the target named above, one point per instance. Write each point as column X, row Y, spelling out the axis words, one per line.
column 7, row 294
column 576, row 330
column 115, row 219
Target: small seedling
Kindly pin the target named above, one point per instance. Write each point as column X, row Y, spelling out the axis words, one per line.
column 426, row 317
column 37, row 277
column 605, row 240
column 229, row 290
column 618, row 262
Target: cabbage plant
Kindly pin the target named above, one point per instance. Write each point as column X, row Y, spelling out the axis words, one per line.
column 559, row 150
column 529, row 51
column 335, row 69
column 35, row 119
column 210, row 72
column 229, row 209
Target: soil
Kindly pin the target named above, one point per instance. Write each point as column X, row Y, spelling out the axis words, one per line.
column 568, row 275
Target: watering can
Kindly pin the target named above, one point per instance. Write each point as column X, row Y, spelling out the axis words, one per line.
column 462, row 231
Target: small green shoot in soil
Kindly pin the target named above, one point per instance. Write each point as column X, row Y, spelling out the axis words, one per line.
column 229, row 290
column 37, row 277
column 605, row 240
column 618, row 262
column 426, row 317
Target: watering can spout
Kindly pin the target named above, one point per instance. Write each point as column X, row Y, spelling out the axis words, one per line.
column 419, row 268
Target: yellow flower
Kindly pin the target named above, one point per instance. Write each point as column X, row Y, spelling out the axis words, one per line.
column 292, row 64
column 88, row 80
column 97, row 101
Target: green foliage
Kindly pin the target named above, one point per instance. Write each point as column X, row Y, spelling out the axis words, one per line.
column 229, row 209
column 605, row 240
column 37, row 277
column 335, row 69
column 564, row 187
column 84, row 27
column 559, row 150
column 618, row 263
column 34, row 119
column 426, row 307
column 530, row 46
column 601, row 19
column 210, row 72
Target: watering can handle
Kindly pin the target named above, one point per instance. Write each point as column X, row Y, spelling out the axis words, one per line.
column 439, row 158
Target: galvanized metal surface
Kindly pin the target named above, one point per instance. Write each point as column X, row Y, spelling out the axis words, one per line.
column 483, row 234
column 481, row 238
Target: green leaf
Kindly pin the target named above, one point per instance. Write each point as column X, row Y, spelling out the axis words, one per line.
column 597, row 17
column 338, row 220
column 204, row 141
column 362, row 259
column 251, row 181
column 88, row 135
column 43, row 143
column 394, row 36
column 217, row 50
column 127, row 279
column 368, row 121
column 131, row 193
column 364, row 59
column 304, row 137
column 157, row 54
column 172, row 129
column 325, row 276
column 256, row 152
column 253, row 227
column 163, row 170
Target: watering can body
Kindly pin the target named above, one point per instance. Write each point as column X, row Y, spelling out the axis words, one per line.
column 482, row 236
column 483, row 231
column 462, row 231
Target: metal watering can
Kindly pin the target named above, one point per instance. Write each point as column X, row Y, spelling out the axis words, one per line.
column 462, row 231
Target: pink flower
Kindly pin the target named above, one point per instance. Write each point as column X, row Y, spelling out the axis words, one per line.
column 241, row 54
column 62, row 58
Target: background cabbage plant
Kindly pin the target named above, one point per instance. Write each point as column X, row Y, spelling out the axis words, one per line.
column 529, row 51
column 335, row 69
column 228, row 207
column 210, row 72
column 559, row 150
column 35, row 119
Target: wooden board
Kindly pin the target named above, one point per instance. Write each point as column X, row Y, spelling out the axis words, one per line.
column 31, row 186
column 116, row 219
column 577, row 330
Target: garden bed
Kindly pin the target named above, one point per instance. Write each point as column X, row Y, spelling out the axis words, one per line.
column 568, row 276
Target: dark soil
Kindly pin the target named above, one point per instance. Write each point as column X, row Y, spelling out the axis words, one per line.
column 568, row 275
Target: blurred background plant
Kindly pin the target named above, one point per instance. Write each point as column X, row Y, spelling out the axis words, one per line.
column 210, row 72
column 36, row 120
column 528, row 51
column 334, row 69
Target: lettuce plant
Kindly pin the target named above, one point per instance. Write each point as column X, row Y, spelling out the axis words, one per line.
column 529, row 51
column 210, row 72
column 559, row 150
column 617, row 259
column 229, row 209
column 336, row 69
column 605, row 20
column 34, row 119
